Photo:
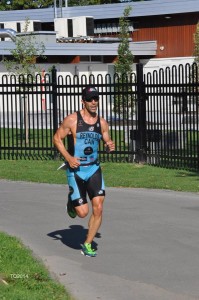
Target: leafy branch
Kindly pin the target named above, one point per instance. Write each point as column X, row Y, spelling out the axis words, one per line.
column 23, row 57
column 124, row 99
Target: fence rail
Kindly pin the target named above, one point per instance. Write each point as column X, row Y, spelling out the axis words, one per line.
column 153, row 117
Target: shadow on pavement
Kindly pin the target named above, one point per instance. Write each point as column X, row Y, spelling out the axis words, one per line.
column 73, row 236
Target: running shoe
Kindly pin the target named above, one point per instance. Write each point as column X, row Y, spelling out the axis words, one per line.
column 87, row 250
column 70, row 209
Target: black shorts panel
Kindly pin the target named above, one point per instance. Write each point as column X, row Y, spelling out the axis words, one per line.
column 94, row 186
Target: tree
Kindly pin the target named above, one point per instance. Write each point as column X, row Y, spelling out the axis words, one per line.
column 93, row 2
column 23, row 57
column 90, row 2
column 123, row 67
column 124, row 62
column 29, row 4
column 25, row 4
column 3, row 5
column 22, row 65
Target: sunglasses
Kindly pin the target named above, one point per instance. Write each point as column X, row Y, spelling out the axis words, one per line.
column 96, row 99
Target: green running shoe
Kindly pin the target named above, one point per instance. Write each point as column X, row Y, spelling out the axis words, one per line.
column 87, row 250
column 70, row 209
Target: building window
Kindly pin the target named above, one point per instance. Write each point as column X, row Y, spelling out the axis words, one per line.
column 18, row 27
column 94, row 58
column 2, row 27
column 36, row 26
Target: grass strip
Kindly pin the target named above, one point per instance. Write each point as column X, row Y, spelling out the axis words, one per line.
column 115, row 175
column 24, row 277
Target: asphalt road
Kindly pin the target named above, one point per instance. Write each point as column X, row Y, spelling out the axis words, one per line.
column 148, row 245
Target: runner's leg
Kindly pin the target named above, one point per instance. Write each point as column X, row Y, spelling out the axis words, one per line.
column 95, row 219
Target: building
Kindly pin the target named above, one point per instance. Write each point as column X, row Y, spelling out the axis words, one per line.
column 85, row 38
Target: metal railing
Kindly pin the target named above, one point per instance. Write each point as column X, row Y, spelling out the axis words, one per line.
column 172, row 116
column 153, row 118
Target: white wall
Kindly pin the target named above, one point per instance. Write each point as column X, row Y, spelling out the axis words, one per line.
column 162, row 63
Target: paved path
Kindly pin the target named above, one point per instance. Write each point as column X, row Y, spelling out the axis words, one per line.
column 148, row 245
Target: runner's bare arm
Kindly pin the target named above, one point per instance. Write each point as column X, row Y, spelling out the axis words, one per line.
column 61, row 133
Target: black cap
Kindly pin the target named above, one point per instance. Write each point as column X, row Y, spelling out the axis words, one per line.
column 89, row 93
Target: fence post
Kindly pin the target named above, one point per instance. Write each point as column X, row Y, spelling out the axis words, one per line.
column 54, row 102
column 141, row 136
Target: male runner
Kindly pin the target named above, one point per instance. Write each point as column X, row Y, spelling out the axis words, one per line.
column 84, row 129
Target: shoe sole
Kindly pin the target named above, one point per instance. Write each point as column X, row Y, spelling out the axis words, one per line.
column 68, row 212
column 82, row 252
column 71, row 216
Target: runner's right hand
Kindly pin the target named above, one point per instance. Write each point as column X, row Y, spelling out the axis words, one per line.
column 74, row 162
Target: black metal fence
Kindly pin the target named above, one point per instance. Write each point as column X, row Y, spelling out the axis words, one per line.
column 172, row 117
column 153, row 118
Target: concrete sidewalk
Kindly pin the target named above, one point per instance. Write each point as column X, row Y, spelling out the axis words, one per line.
column 148, row 245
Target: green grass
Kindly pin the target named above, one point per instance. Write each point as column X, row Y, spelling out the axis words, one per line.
column 14, row 137
column 145, row 176
column 24, row 277
column 115, row 175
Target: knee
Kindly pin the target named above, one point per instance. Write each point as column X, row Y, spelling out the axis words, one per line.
column 82, row 211
column 98, row 209
column 82, row 214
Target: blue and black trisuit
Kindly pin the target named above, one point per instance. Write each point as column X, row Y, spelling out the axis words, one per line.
column 87, row 178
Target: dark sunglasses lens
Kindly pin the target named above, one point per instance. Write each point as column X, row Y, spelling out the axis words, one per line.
column 96, row 99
